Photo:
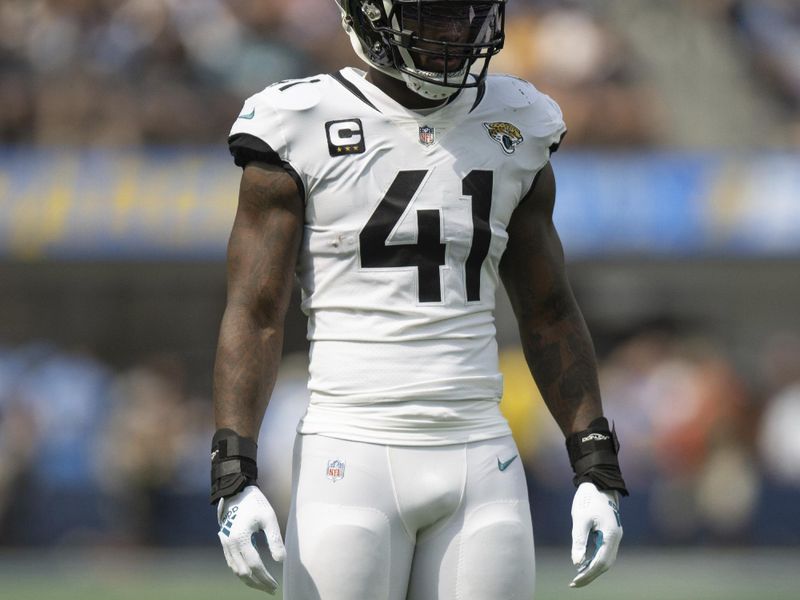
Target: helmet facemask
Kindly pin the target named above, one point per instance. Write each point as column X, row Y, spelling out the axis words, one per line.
column 436, row 46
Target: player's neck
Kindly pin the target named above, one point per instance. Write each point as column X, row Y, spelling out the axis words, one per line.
column 398, row 91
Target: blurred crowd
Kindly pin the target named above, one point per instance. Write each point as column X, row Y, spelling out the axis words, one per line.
column 89, row 454
column 128, row 72
column 95, row 453
column 771, row 32
column 709, row 447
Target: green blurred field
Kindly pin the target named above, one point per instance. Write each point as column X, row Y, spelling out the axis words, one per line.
column 112, row 574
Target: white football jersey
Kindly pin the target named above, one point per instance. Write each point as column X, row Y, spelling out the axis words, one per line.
column 406, row 215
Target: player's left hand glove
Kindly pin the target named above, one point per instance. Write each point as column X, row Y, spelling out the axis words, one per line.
column 596, row 528
column 240, row 517
column 596, row 532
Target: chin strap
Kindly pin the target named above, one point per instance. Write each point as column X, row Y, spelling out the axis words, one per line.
column 233, row 464
column 593, row 455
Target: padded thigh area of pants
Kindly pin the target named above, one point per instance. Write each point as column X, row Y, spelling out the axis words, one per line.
column 486, row 553
column 345, row 553
column 496, row 554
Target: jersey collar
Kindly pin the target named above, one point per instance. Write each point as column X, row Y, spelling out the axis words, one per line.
column 455, row 108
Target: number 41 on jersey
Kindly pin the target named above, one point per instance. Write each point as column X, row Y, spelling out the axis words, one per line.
column 428, row 253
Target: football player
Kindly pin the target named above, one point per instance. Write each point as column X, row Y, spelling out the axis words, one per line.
column 400, row 197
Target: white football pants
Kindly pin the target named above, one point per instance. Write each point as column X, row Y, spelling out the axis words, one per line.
column 374, row 522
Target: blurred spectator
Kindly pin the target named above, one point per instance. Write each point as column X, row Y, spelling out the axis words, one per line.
column 771, row 32
column 17, row 114
column 168, row 71
column 772, row 29
column 57, row 400
column 87, row 454
column 778, row 436
column 94, row 453
column 135, row 71
column 148, row 445
column 572, row 55
column 685, row 415
column 88, row 457
column 128, row 72
column 18, row 434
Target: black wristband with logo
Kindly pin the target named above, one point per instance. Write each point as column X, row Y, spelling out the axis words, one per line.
column 593, row 455
column 233, row 464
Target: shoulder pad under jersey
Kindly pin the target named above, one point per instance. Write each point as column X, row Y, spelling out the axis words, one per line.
column 536, row 113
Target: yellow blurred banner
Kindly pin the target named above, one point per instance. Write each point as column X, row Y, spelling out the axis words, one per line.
column 179, row 204
column 64, row 204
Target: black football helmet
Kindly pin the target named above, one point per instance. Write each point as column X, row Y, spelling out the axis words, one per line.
column 436, row 46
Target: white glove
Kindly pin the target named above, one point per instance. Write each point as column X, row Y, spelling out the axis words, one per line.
column 595, row 521
column 240, row 517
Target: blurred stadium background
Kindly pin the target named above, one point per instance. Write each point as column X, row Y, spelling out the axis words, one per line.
column 679, row 208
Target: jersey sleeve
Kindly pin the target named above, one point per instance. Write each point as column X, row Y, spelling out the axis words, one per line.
column 536, row 114
column 542, row 120
column 259, row 135
column 549, row 127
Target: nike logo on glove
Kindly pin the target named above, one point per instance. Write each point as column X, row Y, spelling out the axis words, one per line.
column 503, row 465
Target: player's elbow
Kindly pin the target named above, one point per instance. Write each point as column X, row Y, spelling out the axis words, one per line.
column 269, row 312
column 261, row 314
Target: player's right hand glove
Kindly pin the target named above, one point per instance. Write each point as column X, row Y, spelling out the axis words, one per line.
column 240, row 517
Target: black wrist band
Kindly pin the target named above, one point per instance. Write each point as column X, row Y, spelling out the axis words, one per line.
column 233, row 464
column 593, row 455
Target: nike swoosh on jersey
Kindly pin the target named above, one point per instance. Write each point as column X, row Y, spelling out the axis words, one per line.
column 503, row 465
column 248, row 116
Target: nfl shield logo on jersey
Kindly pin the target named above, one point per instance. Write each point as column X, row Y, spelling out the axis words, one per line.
column 335, row 469
column 426, row 135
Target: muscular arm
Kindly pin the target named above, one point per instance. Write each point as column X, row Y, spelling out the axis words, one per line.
column 262, row 253
column 554, row 336
column 559, row 351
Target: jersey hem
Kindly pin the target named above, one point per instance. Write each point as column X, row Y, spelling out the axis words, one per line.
column 400, row 441
column 411, row 423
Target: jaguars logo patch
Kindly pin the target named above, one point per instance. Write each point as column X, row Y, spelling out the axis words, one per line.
column 507, row 135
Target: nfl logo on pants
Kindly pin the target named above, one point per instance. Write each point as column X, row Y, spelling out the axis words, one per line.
column 335, row 469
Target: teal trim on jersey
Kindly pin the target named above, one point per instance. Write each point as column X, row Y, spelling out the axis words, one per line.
column 504, row 464
column 248, row 116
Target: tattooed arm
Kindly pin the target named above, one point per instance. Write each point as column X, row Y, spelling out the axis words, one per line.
column 262, row 253
column 554, row 336
column 559, row 351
